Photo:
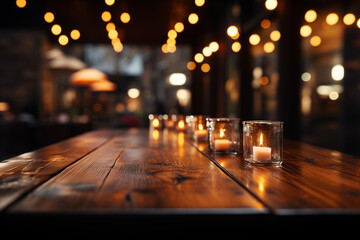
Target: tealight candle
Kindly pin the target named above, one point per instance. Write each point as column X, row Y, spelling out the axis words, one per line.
column 261, row 153
column 223, row 135
column 222, row 144
column 200, row 133
column 263, row 142
column 155, row 121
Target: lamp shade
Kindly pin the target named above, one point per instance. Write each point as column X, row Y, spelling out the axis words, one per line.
column 87, row 76
column 103, row 86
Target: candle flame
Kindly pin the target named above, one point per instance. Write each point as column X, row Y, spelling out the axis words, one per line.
column 200, row 126
column 261, row 139
column 222, row 134
column 156, row 122
column 181, row 124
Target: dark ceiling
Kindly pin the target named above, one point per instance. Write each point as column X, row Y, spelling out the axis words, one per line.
column 150, row 20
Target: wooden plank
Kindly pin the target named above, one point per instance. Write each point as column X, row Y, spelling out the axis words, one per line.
column 311, row 180
column 142, row 173
column 21, row 174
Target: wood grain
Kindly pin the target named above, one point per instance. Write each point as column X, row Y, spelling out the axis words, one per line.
column 25, row 172
column 312, row 180
column 142, row 171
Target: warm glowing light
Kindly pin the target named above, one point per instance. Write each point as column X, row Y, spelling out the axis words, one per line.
column 113, row 34
column 232, row 31
column 193, row 18
column 275, row 35
column 236, row 46
column 337, row 72
column 199, row 3
column 49, row 17
column 171, row 41
column 205, row 67
column 333, row 95
column 109, row 2
column 172, row 34
column 265, row 24
column 264, row 80
column 87, row 76
column 115, row 41
column 110, row 26
column 199, row 57
column 179, row 27
column 214, row 46
column 63, row 40
column 171, row 48
column 118, row 47
column 4, row 107
column 156, row 122
column 56, row 29
column 271, row 4
column 207, row 51
column 358, row 23
column 183, row 96
column 254, row 39
column 21, row 3
column 305, row 31
column 349, row 19
column 177, row 79
column 306, row 76
column 106, row 16
column 269, row 47
column 125, row 17
column 164, row 48
column 315, row 41
column 261, row 139
column 75, row 34
column 332, row 18
column 133, row 92
column 191, row 65
column 181, row 124
column 103, row 86
column 222, row 133
column 310, row 16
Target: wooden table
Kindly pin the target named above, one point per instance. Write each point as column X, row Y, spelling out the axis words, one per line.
column 147, row 177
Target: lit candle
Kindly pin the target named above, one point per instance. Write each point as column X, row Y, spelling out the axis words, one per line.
column 156, row 123
column 200, row 133
column 261, row 153
column 181, row 125
column 222, row 144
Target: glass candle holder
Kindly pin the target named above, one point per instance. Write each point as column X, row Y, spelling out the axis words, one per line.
column 263, row 142
column 223, row 135
column 200, row 129
column 155, row 121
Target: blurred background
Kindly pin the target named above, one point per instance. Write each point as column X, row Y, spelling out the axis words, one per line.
column 295, row 61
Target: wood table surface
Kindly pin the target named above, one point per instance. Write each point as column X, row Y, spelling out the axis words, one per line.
column 145, row 175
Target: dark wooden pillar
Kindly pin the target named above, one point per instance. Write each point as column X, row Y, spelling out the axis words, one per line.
column 288, row 96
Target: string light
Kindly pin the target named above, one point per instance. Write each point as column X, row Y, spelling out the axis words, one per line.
column 193, row 18
column 310, row 16
column 254, row 39
column 199, row 3
column 179, row 27
column 236, row 46
column 21, row 3
column 271, row 4
column 106, row 16
column 63, row 40
column 75, row 34
column 125, row 17
column 49, row 17
column 56, row 29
